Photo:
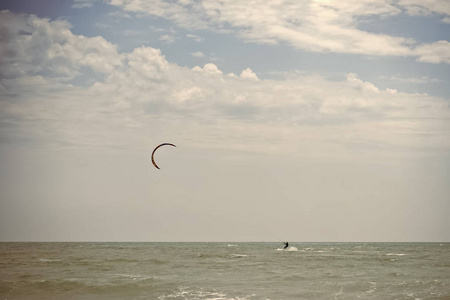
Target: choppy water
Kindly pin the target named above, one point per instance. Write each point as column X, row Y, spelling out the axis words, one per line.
column 224, row 271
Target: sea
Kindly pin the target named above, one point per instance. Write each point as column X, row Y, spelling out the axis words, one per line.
column 224, row 271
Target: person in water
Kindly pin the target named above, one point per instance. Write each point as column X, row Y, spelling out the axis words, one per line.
column 286, row 244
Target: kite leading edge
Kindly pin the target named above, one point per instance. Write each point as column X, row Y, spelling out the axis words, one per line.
column 153, row 153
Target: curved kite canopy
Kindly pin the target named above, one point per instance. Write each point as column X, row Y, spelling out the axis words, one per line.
column 153, row 153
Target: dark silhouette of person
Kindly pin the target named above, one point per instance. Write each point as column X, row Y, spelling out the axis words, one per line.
column 286, row 244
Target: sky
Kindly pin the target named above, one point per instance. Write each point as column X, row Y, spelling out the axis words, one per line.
column 299, row 121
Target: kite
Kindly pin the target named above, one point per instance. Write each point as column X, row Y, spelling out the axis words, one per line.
column 153, row 153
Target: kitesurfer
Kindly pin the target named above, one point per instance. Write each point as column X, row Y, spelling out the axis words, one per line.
column 286, row 244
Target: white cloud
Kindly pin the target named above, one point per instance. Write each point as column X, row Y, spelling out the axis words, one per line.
column 354, row 81
column 232, row 75
column 319, row 26
column 434, row 53
column 188, row 94
column 210, row 69
column 198, row 54
column 33, row 45
column 249, row 74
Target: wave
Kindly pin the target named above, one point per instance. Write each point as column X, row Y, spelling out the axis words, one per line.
column 239, row 255
column 118, row 283
column 126, row 278
column 199, row 293
column 50, row 260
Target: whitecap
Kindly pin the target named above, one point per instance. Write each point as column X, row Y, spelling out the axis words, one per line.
column 239, row 255
column 395, row 254
column 188, row 293
column 49, row 260
column 131, row 276
column 288, row 249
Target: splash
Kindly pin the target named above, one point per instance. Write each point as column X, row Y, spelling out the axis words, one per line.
column 290, row 249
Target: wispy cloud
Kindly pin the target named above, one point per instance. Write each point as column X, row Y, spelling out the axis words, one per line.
column 418, row 7
column 83, row 3
column 194, row 37
column 317, row 26
column 198, row 54
column 131, row 32
column 166, row 38
column 415, row 80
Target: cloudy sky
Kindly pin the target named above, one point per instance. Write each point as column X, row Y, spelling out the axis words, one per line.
column 306, row 120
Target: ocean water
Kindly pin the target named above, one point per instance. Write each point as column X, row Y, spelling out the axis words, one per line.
column 224, row 271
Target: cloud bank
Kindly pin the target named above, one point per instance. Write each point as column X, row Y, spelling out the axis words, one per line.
column 142, row 96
